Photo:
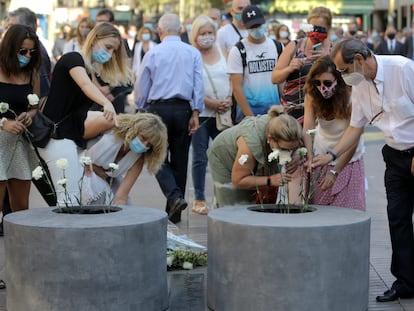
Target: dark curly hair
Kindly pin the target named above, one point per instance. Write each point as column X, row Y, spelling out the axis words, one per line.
column 336, row 107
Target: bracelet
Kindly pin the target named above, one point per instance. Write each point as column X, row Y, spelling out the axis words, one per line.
column 2, row 121
column 330, row 152
column 269, row 181
column 333, row 172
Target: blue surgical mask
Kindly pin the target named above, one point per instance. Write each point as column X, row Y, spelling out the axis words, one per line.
column 333, row 37
column 23, row 60
column 238, row 17
column 146, row 37
column 137, row 146
column 257, row 33
column 101, row 56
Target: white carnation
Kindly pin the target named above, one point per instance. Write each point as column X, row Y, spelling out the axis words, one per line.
column 4, row 107
column 37, row 173
column 187, row 265
column 62, row 182
column 86, row 160
column 284, row 157
column 311, row 132
column 274, row 155
column 113, row 166
column 62, row 163
column 33, row 99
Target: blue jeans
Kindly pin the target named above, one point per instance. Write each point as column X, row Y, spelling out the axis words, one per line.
column 200, row 142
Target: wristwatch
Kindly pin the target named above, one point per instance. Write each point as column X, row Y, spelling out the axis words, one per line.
column 333, row 172
column 2, row 121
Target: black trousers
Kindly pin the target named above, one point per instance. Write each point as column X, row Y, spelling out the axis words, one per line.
column 399, row 185
column 172, row 177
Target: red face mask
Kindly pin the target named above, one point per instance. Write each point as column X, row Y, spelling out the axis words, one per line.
column 318, row 34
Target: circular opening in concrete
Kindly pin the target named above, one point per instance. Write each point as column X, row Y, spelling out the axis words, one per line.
column 89, row 210
column 281, row 208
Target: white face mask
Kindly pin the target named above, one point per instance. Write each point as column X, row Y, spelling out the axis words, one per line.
column 205, row 41
column 283, row 34
column 354, row 78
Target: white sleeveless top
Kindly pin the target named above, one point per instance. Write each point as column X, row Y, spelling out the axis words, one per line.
column 105, row 151
column 329, row 133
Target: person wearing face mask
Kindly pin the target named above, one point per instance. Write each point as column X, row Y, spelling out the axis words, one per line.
column 20, row 61
column 145, row 42
column 136, row 141
column 82, row 30
column 72, row 93
column 231, row 33
column 252, row 85
column 383, row 96
column 217, row 99
column 254, row 138
column 297, row 58
column 390, row 45
column 60, row 42
column 283, row 34
column 328, row 109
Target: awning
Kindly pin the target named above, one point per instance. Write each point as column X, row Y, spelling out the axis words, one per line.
column 38, row 6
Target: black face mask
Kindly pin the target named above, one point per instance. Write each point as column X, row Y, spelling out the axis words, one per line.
column 391, row 36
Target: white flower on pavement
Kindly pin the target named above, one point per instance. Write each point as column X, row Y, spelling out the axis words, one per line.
column 187, row 265
column 170, row 260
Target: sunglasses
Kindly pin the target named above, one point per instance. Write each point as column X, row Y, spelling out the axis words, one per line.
column 326, row 83
column 25, row 51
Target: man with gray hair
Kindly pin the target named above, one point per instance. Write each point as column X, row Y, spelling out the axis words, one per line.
column 383, row 96
column 170, row 84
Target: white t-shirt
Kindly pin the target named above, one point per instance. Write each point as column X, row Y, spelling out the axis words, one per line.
column 221, row 80
column 258, row 88
column 227, row 37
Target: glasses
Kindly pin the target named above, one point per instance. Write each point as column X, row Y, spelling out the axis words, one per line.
column 25, row 51
column 326, row 83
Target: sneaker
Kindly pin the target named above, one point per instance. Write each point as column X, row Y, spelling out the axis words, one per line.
column 200, row 207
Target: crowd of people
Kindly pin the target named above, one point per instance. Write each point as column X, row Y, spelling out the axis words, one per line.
column 184, row 77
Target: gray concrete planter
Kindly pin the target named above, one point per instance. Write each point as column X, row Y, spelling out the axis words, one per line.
column 267, row 261
column 66, row 262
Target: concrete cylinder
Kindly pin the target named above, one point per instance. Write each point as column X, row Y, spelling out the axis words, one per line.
column 65, row 262
column 288, row 262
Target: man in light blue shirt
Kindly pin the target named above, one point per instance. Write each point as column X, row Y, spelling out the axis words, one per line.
column 169, row 83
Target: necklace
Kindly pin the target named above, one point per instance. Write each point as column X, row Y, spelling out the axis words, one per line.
column 379, row 114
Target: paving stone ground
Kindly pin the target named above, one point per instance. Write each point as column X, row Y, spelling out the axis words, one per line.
column 187, row 289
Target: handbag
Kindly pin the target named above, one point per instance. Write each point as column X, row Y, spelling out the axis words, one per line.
column 42, row 128
column 223, row 120
column 266, row 194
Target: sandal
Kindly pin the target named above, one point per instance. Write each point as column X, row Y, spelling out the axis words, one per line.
column 200, row 207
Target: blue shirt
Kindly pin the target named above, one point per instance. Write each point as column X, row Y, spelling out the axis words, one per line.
column 172, row 69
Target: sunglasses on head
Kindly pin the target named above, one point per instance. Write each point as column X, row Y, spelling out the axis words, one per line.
column 24, row 52
column 326, row 83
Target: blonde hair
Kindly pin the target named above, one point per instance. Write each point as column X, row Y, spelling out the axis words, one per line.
column 116, row 71
column 282, row 126
column 323, row 12
column 89, row 23
column 149, row 125
column 200, row 21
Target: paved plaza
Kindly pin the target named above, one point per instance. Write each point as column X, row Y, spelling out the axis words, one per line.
column 187, row 289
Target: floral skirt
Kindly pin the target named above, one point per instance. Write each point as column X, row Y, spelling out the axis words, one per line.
column 348, row 189
column 17, row 157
